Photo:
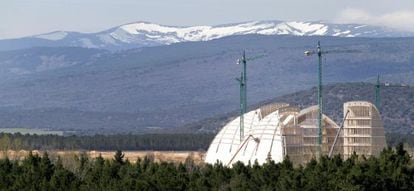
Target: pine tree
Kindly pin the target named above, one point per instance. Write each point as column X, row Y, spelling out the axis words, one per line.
column 119, row 157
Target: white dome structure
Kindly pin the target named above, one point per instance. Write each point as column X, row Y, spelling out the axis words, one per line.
column 227, row 141
column 278, row 130
column 265, row 141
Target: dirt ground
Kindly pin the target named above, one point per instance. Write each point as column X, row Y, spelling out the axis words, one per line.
column 132, row 156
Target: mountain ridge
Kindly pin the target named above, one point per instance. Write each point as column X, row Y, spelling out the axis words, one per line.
column 146, row 34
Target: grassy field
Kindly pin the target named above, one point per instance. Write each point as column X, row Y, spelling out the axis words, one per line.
column 132, row 156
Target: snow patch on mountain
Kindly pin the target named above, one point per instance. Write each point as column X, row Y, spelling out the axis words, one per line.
column 145, row 34
column 154, row 34
column 168, row 34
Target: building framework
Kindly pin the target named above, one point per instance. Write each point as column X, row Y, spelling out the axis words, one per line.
column 277, row 130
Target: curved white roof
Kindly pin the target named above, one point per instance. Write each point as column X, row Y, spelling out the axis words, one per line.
column 313, row 110
column 227, row 141
column 264, row 141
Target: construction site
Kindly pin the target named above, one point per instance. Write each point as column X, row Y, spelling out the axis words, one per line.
column 280, row 130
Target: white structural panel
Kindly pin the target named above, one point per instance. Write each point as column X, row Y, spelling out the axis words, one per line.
column 227, row 141
column 264, row 141
column 259, row 124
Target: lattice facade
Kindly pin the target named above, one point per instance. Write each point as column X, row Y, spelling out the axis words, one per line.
column 302, row 136
column 363, row 130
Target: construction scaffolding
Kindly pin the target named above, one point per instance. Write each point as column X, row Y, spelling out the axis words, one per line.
column 302, row 133
column 363, row 130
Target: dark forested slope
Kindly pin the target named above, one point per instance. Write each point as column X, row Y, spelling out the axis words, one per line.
column 164, row 87
column 397, row 105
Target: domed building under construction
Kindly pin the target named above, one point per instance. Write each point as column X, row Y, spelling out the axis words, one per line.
column 277, row 130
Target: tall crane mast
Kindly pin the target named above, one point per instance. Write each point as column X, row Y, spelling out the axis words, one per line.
column 378, row 94
column 243, row 89
column 319, row 52
column 243, row 95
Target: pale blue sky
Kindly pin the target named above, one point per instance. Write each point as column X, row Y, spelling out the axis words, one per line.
column 27, row 17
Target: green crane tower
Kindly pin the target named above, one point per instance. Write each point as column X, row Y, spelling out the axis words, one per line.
column 243, row 92
column 243, row 89
column 378, row 94
column 320, row 104
column 319, row 52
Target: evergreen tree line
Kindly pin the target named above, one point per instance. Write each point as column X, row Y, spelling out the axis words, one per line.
column 159, row 142
column 392, row 170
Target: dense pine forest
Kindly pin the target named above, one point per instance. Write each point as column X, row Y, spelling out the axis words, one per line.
column 392, row 170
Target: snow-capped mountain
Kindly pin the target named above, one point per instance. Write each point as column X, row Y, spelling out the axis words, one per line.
column 142, row 34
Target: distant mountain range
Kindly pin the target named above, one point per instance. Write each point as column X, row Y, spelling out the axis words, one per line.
column 90, row 90
column 145, row 34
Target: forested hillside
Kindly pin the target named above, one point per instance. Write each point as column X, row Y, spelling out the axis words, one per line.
column 397, row 105
column 165, row 87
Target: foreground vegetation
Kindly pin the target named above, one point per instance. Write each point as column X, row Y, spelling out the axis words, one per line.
column 392, row 170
